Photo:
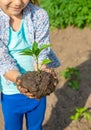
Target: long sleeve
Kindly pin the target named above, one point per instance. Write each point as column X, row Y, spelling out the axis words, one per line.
column 6, row 61
column 41, row 25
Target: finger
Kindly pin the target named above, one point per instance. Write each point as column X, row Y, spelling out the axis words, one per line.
column 54, row 75
column 51, row 71
column 22, row 90
column 47, row 70
column 18, row 82
column 28, row 94
column 55, row 84
column 19, row 87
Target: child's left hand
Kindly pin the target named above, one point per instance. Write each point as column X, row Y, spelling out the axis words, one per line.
column 48, row 70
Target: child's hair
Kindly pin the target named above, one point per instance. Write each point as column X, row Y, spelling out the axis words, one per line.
column 34, row 2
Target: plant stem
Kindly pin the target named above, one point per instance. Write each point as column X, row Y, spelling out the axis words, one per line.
column 37, row 63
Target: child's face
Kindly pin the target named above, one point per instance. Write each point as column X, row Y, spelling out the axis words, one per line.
column 13, row 7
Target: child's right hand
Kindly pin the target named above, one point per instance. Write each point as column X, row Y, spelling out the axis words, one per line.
column 23, row 90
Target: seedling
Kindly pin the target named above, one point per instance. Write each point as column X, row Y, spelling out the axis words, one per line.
column 74, row 84
column 39, row 83
column 81, row 113
column 34, row 52
column 72, row 75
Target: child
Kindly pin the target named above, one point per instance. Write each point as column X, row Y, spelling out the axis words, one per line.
column 21, row 23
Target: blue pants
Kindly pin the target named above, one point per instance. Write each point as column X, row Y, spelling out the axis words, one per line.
column 14, row 107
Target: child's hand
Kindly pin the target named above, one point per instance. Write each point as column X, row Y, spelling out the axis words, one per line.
column 52, row 72
column 37, row 85
column 48, row 70
column 23, row 90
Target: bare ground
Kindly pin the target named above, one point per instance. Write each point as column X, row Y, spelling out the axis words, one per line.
column 73, row 48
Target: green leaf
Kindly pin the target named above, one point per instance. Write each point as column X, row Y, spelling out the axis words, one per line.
column 36, row 53
column 66, row 74
column 72, row 117
column 75, row 117
column 46, row 61
column 86, row 116
column 26, row 51
column 74, row 84
column 34, row 47
column 81, row 113
column 83, row 109
column 44, row 46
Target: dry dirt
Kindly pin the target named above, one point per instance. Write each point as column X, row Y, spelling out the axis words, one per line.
column 73, row 48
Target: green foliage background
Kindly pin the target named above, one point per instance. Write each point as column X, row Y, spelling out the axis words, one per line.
column 63, row 13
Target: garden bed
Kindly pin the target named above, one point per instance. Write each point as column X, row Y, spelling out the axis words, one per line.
column 73, row 48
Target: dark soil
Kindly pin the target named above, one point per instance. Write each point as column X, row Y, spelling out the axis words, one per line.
column 39, row 83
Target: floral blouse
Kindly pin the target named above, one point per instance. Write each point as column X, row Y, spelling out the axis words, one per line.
column 37, row 23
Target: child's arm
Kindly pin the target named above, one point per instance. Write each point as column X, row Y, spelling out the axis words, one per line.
column 12, row 75
column 41, row 24
column 7, row 63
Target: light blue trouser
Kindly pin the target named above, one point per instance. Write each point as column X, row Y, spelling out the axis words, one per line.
column 15, row 106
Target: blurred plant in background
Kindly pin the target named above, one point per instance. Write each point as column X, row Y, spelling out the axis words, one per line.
column 72, row 75
column 63, row 13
